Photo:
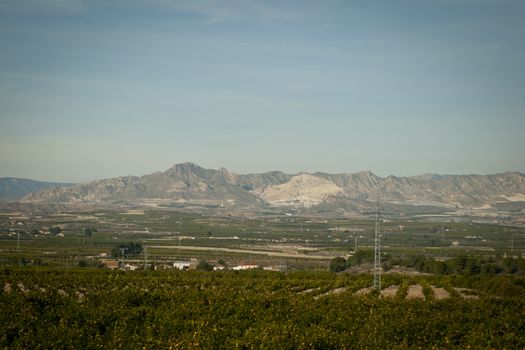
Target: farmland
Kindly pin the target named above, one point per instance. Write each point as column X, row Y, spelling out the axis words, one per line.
column 445, row 284
column 254, row 309
column 268, row 240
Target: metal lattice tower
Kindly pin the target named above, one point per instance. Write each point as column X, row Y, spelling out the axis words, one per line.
column 145, row 257
column 377, row 252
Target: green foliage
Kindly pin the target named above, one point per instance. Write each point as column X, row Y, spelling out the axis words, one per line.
column 337, row 264
column 203, row 265
column 256, row 309
column 55, row 230
column 469, row 265
column 131, row 249
column 361, row 256
column 88, row 231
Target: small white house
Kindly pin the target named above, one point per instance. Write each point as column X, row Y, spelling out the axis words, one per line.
column 245, row 267
column 129, row 267
column 182, row 265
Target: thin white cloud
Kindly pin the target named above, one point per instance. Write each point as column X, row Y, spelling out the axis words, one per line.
column 224, row 10
column 31, row 7
column 212, row 10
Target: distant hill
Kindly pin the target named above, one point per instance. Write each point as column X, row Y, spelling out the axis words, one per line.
column 13, row 188
column 188, row 184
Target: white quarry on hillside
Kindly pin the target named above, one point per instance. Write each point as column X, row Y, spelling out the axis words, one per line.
column 302, row 190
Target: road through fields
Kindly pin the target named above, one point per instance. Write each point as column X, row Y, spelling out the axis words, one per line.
column 244, row 251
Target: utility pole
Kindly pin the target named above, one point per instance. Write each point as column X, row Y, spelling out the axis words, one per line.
column 122, row 250
column 18, row 246
column 377, row 252
column 180, row 250
column 145, row 257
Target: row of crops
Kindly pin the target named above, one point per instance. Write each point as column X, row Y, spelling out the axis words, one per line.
column 53, row 308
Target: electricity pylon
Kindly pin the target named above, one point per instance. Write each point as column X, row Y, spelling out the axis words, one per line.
column 377, row 251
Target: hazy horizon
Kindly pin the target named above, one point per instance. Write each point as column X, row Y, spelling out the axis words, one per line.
column 265, row 171
column 97, row 89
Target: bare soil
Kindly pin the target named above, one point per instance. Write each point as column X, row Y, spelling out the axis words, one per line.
column 390, row 291
column 364, row 291
column 311, row 290
column 333, row 291
column 440, row 293
column 415, row 291
column 467, row 293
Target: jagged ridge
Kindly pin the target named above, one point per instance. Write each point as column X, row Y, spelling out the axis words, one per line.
column 188, row 183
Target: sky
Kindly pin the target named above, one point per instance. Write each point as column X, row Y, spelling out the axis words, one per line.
column 91, row 89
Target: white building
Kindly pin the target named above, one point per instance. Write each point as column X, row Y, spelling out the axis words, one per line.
column 182, row 265
column 245, row 267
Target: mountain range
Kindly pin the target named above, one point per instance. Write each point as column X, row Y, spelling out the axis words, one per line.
column 189, row 185
column 13, row 188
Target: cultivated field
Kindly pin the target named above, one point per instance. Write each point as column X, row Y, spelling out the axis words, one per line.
column 57, row 308
column 268, row 240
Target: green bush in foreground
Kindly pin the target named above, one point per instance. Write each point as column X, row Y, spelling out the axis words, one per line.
column 247, row 310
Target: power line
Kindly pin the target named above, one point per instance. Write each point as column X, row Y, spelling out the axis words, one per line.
column 377, row 251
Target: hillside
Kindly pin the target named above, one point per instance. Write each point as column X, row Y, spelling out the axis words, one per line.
column 188, row 184
column 303, row 190
column 12, row 188
column 183, row 184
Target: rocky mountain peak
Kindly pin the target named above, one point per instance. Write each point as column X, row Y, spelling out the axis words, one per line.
column 191, row 184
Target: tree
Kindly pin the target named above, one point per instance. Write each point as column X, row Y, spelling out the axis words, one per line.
column 88, row 232
column 472, row 266
column 55, row 230
column 440, row 267
column 361, row 256
column 131, row 249
column 203, row 265
column 459, row 263
column 418, row 262
column 337, row 264
column 491, row 269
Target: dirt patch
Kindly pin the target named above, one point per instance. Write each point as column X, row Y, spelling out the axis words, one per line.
column 80, row 296
column 415, row 291
column 22, row 288
column 333, row 291
column 467, row 293
column 307, row 291
column 440, row 293
column 364, row 291
column 408, row 271
column 337, row 290
column 390, row 291
column 363, row 268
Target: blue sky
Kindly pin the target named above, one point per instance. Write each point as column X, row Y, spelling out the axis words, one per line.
column 94, row 89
